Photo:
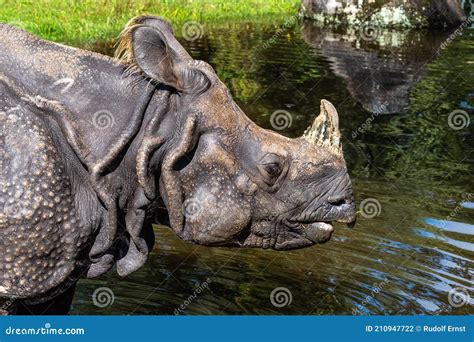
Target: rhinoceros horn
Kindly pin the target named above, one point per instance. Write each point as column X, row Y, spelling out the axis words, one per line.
column 324, row 131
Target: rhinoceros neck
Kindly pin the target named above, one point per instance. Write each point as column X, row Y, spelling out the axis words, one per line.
column 94, row 88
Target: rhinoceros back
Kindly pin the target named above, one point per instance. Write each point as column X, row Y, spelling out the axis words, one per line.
column 39, row 232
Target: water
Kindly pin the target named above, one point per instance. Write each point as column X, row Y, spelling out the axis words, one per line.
column 394, row 93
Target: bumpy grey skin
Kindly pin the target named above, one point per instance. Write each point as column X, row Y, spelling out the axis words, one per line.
column 40, row 231
column 91, row 145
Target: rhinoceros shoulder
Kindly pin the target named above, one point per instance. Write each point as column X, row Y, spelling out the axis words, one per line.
column 39, row 232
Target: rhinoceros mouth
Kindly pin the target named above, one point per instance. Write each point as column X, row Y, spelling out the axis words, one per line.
column 290, row 235
column 318, row 232
column 313, row 230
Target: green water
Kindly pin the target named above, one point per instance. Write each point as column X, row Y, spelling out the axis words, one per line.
column 394, row 95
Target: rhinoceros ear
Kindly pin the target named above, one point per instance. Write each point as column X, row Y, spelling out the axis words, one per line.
column 148, row 43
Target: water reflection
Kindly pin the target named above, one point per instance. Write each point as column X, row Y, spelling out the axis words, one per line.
column 381, row 70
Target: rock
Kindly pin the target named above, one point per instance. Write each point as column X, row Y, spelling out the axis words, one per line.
column 385, row 13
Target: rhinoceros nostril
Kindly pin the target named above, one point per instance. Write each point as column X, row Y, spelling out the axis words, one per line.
column 338, row 200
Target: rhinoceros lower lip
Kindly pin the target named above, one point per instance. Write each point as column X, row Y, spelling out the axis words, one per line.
column 318, row 231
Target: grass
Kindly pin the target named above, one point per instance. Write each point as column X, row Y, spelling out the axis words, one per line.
column 90, row 21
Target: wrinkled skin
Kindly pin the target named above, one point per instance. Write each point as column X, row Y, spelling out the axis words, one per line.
column 87, row 189
column 274, row 195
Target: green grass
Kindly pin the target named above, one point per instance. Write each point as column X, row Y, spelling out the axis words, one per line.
column 90, row 21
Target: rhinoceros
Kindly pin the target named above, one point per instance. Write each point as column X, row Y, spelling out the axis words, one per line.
column 95, row 148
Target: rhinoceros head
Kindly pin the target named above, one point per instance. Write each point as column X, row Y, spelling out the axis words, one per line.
column 223, row 179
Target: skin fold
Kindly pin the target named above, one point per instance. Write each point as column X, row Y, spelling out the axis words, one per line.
column 92, row 146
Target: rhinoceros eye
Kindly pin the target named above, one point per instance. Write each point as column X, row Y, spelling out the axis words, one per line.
column 271, row 168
